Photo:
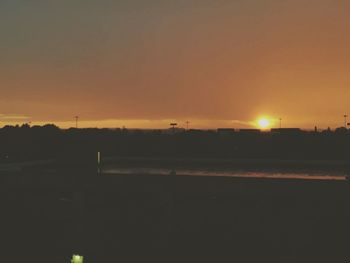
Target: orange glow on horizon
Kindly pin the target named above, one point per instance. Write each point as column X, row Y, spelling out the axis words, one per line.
column 263, row 123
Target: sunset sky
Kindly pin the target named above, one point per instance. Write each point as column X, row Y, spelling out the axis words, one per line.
column 138, row 63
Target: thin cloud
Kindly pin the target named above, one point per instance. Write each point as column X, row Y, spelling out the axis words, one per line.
column 13, row 117
column 245, row 123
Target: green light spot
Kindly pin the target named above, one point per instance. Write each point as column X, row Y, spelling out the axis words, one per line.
column 77, row 259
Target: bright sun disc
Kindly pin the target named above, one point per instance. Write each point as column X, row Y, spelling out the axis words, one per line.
column 263, row 123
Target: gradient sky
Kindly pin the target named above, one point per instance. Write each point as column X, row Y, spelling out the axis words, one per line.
column 140, row 63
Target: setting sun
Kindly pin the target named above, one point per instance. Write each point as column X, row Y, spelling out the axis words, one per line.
column 263, row 123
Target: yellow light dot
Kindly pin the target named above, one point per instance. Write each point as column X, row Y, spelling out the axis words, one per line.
column 77, row 259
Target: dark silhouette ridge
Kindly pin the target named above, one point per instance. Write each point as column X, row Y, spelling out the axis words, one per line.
column 23, row 143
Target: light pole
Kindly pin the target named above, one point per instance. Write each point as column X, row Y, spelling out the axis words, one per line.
column 76, row 121
column 280, row 123
column 345, row 120
column 187, row 122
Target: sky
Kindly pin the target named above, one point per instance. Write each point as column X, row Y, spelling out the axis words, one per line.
column 137, row 63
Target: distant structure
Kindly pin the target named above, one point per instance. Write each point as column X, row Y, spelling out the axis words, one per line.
column 249, row 131
column 225, row 131
column 195, row 131
column 173, row 129
column 76, row 121
column 187, row 122
column 345, row 120
column 287, row 130
column 280, row 119
column 173, row 126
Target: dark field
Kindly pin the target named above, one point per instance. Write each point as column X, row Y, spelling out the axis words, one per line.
column 174, row 219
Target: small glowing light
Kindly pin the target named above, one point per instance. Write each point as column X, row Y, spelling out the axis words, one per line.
column 98, row 157
column 77, row 259
column 264, row 123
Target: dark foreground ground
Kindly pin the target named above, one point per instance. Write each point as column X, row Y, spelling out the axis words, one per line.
column 45, row 218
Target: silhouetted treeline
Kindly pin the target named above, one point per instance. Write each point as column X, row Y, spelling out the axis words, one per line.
column 19, row 143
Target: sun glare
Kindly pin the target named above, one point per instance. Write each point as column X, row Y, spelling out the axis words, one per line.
column 264, row 123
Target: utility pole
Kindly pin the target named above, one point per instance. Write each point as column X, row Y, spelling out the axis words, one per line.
column 280, row 123
column 187, row 122
column 345, row 120
column 76, row 121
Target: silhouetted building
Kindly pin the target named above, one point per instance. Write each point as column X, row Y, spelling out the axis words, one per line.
column 341, row 130
column 174, row 130
column 226, row 131
column 195, row 131
column 249, row 131
column 286, row 130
